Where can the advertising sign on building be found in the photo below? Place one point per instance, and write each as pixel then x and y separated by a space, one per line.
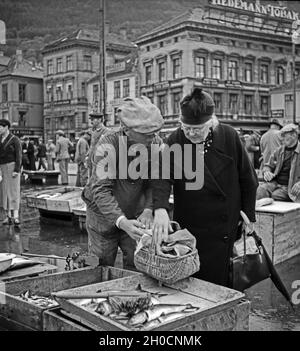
pixel 277 113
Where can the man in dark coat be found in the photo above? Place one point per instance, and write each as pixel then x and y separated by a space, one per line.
pixel 211 213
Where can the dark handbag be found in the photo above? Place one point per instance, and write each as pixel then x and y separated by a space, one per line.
pixel 248 269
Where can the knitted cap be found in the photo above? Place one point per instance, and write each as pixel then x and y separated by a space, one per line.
pixel 289 128
pixel 197 107
pixel 140 115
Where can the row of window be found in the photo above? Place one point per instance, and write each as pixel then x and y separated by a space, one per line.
pixel 21 92
pixel 234 105
pixel 60 123
pixel 201 71
pixel 57 65
pixel 57 93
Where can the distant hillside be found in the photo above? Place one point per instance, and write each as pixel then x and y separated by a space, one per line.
pixel 33 23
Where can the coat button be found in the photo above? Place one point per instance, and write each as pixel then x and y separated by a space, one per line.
pixel 225 239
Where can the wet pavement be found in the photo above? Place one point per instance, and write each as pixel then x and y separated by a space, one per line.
pixel 269 310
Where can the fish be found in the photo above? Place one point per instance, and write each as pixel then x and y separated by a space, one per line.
pixel 104 308
pixel 152 324
pixel 172 316
pixel 164 309
pixel 138 319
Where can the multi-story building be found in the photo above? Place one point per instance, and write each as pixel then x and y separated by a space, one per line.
pixel 122 81
pixel 69 63
pixel 21 96
pixel 282 104
pixel 235 50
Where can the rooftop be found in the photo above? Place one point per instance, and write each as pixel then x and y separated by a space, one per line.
pixel 90 35
pixel 18 66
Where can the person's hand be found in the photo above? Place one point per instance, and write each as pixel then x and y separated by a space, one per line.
pixel 296 189
pixel 161 227
pixel 132 227
pixel 268 176
pixel 14 174
pixel 146 218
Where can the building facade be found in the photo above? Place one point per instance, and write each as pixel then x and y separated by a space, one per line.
pixel 282 104
pixel 21 96
pixel 122 79
pixel 236 50
pixel 69 63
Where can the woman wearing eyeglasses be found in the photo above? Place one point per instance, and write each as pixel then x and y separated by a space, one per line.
pixel 211 213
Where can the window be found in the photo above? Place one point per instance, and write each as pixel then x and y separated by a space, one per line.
pixel 59 65
pixel 176 103
pixel 47 123
pixel 5 114
pixel 148 74
pixel 264 105
pixel 176 68
pixel 264 73
pixel 148 48
pixel 49 93
pixel 71 122
pixel 59 93
pixel 176 40
pixel 162 104
pixel 161 44
pixel 280 75
pixel 22 92
pixel 232 70
pixel 95 92
pixel 69 63
pixel 83 89
pixel 233 103
pixel 218 102
pixel 84 117
pixel 70 91
pixel 126 88
pixel 22 119
pixel 200 67
pixel 248 103
pixel 248 72
pixel 117 89
pixel 87 59
pixel 50 67
pixel 4 93
pixel 161 71
pixel 217 69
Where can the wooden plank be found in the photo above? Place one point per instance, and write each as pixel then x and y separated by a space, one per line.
pixel 279 207
pixel 209 297
pixel 54 320
pixel 233 319
pixel 65 202
pixel 17 274
pixel 264 227
pixel 7 324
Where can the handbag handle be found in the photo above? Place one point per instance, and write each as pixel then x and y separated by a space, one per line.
pixel 247 222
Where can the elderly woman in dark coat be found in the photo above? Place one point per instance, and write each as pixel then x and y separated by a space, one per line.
pixel 10 165
pixel 211 213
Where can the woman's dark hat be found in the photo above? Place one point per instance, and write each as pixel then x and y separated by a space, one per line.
pixel 4 123
pixel 276 122
pixel 197 107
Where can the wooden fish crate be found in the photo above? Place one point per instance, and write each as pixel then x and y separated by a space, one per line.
pixel 279 226
pixel 34 201
pixel 66 202
pixel 20 312
pixel 220 308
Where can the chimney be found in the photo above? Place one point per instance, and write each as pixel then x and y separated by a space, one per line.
pixel 123 33
pixel 19 55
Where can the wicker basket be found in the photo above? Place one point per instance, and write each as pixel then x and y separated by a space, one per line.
pixel 166 270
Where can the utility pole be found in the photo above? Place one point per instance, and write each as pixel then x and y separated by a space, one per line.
pixel 102 63
pixel 295 40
